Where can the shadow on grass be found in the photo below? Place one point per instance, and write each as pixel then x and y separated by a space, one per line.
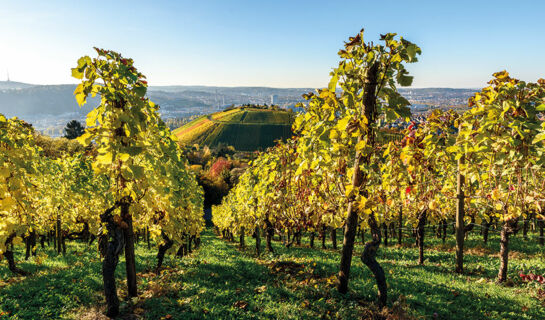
pixel 434 289
pixel 221 282
pixel 59 284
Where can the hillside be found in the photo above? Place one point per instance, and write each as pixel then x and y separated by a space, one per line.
pixel 14 85
pixel 246 129
pixel 50 107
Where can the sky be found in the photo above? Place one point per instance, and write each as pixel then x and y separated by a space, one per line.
pixel 269 43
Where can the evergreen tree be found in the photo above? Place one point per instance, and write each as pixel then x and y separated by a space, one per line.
pixel 73 129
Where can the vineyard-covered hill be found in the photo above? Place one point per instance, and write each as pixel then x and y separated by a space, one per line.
pixel 246 129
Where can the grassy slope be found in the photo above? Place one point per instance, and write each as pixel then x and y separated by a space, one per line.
pixel 221 282
pixel 59 284
pixel 226 115
pixel 189 125
pixel 247 137
pixel 267 116
pixel 195 131
pixel 245 129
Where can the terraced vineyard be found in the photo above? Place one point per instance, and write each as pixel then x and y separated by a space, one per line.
pixel 246 129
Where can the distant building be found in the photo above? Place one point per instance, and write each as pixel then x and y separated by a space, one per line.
pixel 274 99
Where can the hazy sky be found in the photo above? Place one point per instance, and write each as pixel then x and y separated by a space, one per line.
pixel 269 43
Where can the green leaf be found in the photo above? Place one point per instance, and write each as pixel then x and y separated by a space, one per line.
pixel 403 79
pixel 138 171
pixel 133 151
pixel 412 50
pixel 140 91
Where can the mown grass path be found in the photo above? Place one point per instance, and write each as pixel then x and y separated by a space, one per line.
pixel 220 281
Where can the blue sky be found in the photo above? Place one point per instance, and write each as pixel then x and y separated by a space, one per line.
pixel 269 43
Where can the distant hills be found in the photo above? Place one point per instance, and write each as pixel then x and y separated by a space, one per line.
pixel 34 101
pixel 10 85
pixel 245 128
pixel 22 100
pixel 50 107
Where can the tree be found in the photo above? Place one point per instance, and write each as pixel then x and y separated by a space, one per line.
pixel 73 130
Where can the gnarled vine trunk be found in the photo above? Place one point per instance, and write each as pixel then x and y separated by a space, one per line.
pixel 509 227
pixel 241 238
pixel 163 248
pixel 298 235
pixel 486 228
pixel 42 241
pixel 30 245
pixel 58 231
pixel 12 266
pixel 368 257
pixel 181 251
pixel 369 110
pixel 322 235
pixel 420 236
pixel 111 245
pixel 270 234
pixel 197 241
pixel 257 241
pixel 130 261
pixel 11 258
pixel 333 238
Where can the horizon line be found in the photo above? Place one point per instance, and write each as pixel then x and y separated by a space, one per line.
pixel 235 86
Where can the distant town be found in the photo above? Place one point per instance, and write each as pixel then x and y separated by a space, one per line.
pixel 50 107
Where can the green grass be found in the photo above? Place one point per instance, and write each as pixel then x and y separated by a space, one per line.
pixel 268 117
pixel 58 284
pixel 245 129
pixel 235 116
pixel 247 137
pixel 219 281
pixel 190 124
